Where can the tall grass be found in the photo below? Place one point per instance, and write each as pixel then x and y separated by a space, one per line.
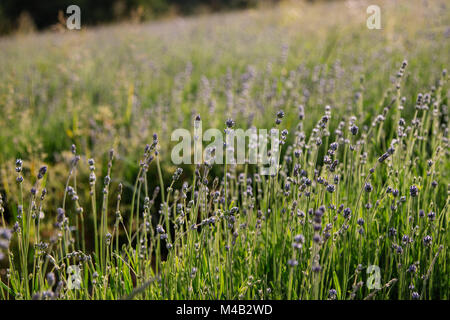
pixel 361 181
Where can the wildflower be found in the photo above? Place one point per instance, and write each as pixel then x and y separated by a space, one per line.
pixel 46 295
pixel 405 239
pixel 316 268
pixel 404 64
pixel 318 141
pixel 332 294
pixel 16 227
pixel 392 232
pixel 299 238
pixel 354 130
pixel 280 114
pixel 431 215
pixel 5 234
pixel 42 172
pixel 292 262
pixel 347 213
pixel 360 222
pixel 19 164
pixel 51 279
pixel 43 193
pixel 160 229
pixel 412 268
pixel 234 210
pixel 368 187
pixel 230 123
pixel 108 238
pixel 334 146
pixel 177 174
pixel 60 214
pixel 413 190
pixel 427 240
pixel 415 295
pixel 331 188
pixel 383 157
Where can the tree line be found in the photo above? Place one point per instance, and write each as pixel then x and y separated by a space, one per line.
pixel 24 15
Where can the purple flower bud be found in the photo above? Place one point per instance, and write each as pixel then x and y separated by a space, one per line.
pixel 229 123
pixel 413 190
pixel 368 187
pixel 42 172
pixel 280 114
pixel 427 240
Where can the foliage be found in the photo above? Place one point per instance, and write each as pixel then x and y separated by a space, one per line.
pixel 362 177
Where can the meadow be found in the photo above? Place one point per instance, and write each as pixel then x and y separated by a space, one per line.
pixel 93 207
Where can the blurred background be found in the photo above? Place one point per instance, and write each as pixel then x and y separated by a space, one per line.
pixel 30 15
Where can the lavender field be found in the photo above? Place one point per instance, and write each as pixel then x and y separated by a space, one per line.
pixel 94 206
